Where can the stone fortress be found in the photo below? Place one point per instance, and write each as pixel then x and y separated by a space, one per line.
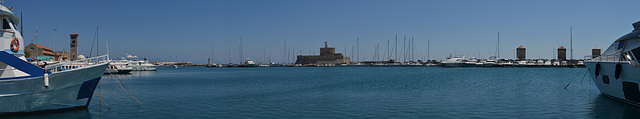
pixel 327 56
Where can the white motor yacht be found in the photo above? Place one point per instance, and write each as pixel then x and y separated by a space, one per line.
pixel 453 62
pixel 616 72
pixel 118 67
pixel 141 65
pixel 491 62
pixel 248 63
pixel 471 62
pixel 138 65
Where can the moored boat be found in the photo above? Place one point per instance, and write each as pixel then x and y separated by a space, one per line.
pixel 117 67
pixel 453 62
pixel 27 88
pixel 617 72
pixel 248 63
pixel 139 65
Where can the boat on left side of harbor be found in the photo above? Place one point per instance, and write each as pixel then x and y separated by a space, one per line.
pixel 27 88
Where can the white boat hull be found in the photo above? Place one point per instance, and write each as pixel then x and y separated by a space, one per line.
pixel 624 88
pixel 143 68
pixel 451 64
pixel 69 89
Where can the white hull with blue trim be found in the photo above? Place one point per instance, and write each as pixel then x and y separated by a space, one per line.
pixel 69 89
pixel 26 88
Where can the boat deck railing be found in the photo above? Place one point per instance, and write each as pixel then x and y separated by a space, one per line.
pixel 609 58
pixel 76 64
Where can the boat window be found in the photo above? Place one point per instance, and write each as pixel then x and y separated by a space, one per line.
pixel 5 24
pixel 626 56
pixel 636 53
pixel 621 45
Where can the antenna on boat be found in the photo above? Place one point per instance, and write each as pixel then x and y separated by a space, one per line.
pixel 54 39
pixel 21 33
pixel 36 35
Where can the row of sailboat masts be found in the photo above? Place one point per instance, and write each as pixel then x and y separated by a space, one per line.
pixel 407 54
pixel 242 58
pixel 231 51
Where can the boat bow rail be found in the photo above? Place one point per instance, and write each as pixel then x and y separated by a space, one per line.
pixel 62 66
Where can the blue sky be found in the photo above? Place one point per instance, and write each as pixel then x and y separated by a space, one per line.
pixel 187 30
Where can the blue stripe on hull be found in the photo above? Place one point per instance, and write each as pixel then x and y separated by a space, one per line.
pixel 87 88
pixel 21 65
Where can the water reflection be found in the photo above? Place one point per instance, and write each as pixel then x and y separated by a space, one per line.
pixel 606 107
pixel 77 114
pixel 132 74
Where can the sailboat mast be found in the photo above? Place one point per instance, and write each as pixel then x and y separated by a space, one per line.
pixel 396 48
pixel 412 51
pixel 358 48
pixel 284 55
pixel 375 48
pixel 212 54
pixel 571 40
pixel 230 52
pixel 97 41
pixel 387 52
pixel 404 49
pixel 498 47
pixel 54 40
pixel 241 56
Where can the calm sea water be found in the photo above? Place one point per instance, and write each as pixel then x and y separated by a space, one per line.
pixel 353 92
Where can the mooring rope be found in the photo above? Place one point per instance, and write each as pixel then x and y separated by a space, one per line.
pixel 125 89
pixel 102 102
pixel 585 74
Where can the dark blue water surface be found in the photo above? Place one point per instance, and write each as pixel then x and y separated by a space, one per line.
pixel 353 92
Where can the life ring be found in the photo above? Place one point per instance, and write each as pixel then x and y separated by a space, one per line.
pixel 15 45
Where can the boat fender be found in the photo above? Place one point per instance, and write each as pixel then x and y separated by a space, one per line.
pixel 597 69
pixel 618 70
pixel 15 45
pixel 46 80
